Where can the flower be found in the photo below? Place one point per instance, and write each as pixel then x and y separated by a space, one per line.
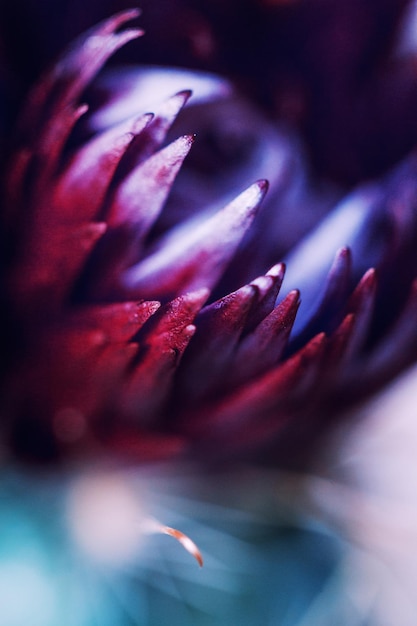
pixel 102 361
pixel 149 314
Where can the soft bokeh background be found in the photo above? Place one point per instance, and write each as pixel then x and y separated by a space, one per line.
pixel 314 63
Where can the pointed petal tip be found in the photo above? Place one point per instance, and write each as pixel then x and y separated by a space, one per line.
pixel 185 94
pixel 122 17
pixel 136 32
pixel 150 306
pixel 185 141
pixel 199 296
pixel 82 109
pixel 259 188
pixel 251 197
pixel 129 14
pixel 263 184
pixel 290 303
pixel 344 252
pixel 317 341
pixel 129 35
pixel 177 101
pixel 367 284
pixel 370 275
pixel 190 138
pixel 277 271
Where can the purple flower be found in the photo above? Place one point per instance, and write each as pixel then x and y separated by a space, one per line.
pixel 165 331
pixel 205 279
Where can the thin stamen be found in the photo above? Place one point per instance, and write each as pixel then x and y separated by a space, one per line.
pixel 153 526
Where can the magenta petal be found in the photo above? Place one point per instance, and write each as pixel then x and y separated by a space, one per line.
pixel 127 90
pixel 207 362
pixel 135 206
pixel 338 352
pixel 263 347
pixel 82 186
pixel 361 304
pixel 67 79
pixel 119 321
pixel 46 156
pixel 267 290
pixel 140 197
pixel 198 258
pixel 271 392
pixel 52 108
pixel 151 137
pixel 174 315
pixel 52 264
pixel 161 348
pixel 328 310
pixel 33 166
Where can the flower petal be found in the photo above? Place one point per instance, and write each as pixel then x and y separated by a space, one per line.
pixel 82 186
pixel 162 344
pixel 264 346
pixel 198 259
pixel 208 359
pixel 266 395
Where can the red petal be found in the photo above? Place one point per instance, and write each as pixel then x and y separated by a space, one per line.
pixel 119 321
pixel 162 345
pixel 51 109
pixel 362 304
pixel 286 383
pixel 52 263
pixel 267 287
pixel 81 189
pixel 329 311
pixel 151 138
pixel 135 206
pixel 141 195
pixel 263 348
pixel 219 327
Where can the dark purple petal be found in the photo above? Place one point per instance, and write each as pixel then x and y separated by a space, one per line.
pixel 331 299
pixel 361 305
pixel 209 359
pixel 267 290
pixel 269 394
pixel 264 346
